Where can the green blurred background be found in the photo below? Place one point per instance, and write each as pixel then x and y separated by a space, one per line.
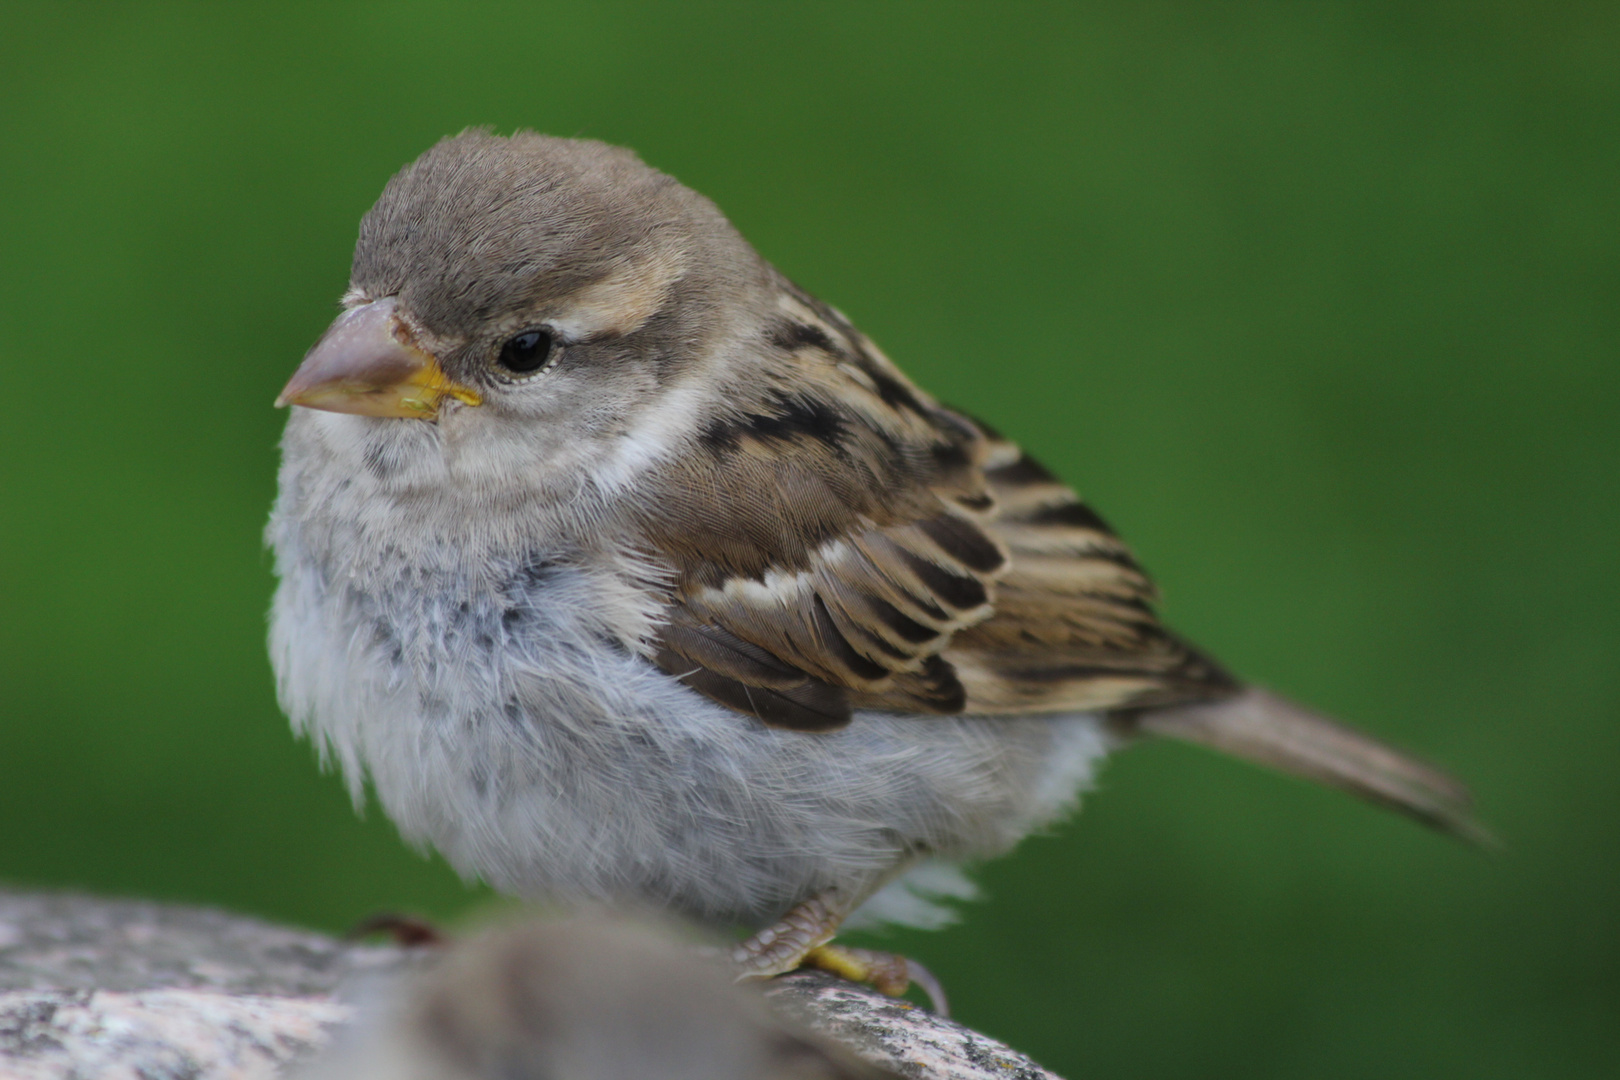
pixel 1319 302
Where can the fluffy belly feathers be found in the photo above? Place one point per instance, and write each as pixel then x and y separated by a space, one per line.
pixel 503 728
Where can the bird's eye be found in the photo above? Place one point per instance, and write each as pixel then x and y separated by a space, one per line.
pixel 526 353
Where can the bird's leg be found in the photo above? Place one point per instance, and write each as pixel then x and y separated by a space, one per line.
pixel 801 939
pixel 782 946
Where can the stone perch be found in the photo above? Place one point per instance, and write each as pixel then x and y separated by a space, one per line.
pixel 131 990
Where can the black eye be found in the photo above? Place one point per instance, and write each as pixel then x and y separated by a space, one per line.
pixel 526 353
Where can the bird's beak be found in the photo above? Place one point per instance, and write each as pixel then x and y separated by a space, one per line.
pixel 367 363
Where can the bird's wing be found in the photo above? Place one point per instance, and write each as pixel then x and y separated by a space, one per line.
pixel 843 541
pixel 1073 626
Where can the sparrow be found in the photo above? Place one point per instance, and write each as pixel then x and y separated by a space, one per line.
pixel 585 998
pixel 628 571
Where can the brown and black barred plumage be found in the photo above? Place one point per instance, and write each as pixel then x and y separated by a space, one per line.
pixel 874 549
pixel 860 545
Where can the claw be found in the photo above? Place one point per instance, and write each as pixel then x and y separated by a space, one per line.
pixel 888 973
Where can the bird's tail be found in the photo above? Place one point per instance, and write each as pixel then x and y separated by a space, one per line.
pixel 1260 726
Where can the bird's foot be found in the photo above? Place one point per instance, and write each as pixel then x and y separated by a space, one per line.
pixel 800 939
pixel 886 972
pixel 407 930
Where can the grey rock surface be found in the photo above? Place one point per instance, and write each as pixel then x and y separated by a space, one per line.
pixel 134 990
pixel 896 1035
pixel 64 941
pixel 159 1034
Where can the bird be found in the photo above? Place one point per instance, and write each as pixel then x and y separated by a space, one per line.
pixel 596 996
pixel 625 570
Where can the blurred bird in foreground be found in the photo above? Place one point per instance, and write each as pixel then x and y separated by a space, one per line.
pixel 628 571
pixel 588 998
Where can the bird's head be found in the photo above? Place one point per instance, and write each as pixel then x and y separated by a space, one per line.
pixel 526 292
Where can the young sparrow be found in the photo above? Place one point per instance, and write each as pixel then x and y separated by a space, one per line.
pixel 586 998
pixel 629 571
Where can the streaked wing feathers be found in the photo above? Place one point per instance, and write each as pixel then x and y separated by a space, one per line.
pixel 1073 628
pixel 842 541
pixel 720 665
